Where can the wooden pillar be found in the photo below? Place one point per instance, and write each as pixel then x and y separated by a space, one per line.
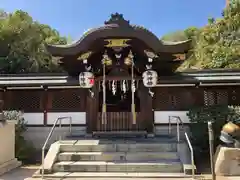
pixel 198 96
pixel 1 94
pixel 8 98
pixel 92 106
pixel 88 112
pixel 1 101
pixel 233 96
pixel 146 105
pixel 83 100
pixel 45 106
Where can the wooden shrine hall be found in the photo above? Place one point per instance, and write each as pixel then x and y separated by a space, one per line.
pixel 118 54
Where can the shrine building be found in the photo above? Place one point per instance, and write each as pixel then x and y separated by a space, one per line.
pixel 104 91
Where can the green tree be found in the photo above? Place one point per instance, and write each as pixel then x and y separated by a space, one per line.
pixel 217 45
pixel 183 35
pixel 191 32
pixel 22 42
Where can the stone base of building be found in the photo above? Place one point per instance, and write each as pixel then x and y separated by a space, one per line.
pixel 227 161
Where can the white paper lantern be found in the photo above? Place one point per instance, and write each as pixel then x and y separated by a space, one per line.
pixel 86 80
pixel 150 78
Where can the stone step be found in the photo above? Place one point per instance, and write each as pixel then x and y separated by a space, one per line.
pixel 116 156
pixel 118 166
pixel 121 147
pixel 111 175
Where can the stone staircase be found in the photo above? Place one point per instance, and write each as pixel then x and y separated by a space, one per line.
pixel 141 157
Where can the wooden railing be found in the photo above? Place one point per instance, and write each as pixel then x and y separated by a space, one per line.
pixel 118 121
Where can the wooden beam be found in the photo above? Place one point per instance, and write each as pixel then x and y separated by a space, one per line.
pixel 118 78
pixel 146 106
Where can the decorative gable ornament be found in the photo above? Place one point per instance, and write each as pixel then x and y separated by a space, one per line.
pixel 117 19
pixel 150 54
pixel 86 80
pixel 85 56
pixel 179 57
pixel 150 78
pixel 120 43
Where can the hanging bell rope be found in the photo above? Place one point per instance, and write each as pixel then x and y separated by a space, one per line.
pixel 104 107
pixel 133 89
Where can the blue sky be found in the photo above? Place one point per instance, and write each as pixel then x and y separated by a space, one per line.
pixel 73 17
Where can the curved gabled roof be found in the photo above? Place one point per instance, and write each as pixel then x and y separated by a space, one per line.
pixel 117 27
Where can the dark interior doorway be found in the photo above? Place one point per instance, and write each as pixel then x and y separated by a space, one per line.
pixel 120 101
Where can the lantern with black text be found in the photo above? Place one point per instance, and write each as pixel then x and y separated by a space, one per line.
pixel 150 78
pixel 86 80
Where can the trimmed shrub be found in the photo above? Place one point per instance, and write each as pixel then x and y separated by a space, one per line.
pixel 199 116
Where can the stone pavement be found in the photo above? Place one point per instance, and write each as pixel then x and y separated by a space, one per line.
pixel 25 173
pixel 20 173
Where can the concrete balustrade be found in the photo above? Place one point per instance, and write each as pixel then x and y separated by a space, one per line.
pixel 7 148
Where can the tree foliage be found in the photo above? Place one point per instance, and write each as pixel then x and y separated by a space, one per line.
pixel 217 45
pixel 219 115
pixel 184 35
pixel 22 42
pixel 175 36
pixel 22 50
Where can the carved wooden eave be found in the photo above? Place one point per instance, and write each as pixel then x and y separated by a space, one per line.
pixel 176 47
pixel 179 57
pixel 118 27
